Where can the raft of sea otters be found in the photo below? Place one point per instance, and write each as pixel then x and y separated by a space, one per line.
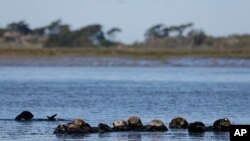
pixel 134 123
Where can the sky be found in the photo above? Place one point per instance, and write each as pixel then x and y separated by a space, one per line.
pixel 134 17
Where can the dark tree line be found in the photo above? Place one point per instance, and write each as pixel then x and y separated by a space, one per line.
pixel 22 27
pixel 92 35
pixel 60 35
pixel 160 31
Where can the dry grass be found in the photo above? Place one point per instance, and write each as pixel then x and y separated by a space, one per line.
pixel 132 52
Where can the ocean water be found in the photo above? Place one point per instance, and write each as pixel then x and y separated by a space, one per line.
pixel 102 95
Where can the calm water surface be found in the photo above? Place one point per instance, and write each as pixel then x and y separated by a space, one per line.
pixel 105 94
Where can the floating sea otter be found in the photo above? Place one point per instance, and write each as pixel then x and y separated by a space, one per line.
pixel 104 128
pixel 222 125
pixel 24 116
pixel 134 123
pixel 77 126
pixel 27 115
pixel 178 123
pixel 196 127
pixel 120 125
pixel 156 125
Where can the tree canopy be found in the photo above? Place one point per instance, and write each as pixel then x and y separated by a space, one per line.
pixel 160 31
pixel 21 27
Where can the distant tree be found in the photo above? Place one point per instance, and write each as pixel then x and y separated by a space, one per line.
pixel 12 26
pixel 161 31
pixel 179 29
pixel 61 38
pixel 112 33
pixel 61 35
pixel 197 36
pixel 173 29
pixel 91 35
pixel 156 31
pixel 39 31
pixel 54 27
pixel 166 31
pixel 182 28
pixel 95 34
pixel 21 27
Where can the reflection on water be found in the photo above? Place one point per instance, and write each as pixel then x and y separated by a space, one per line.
pixel 155 136
pixel 101 95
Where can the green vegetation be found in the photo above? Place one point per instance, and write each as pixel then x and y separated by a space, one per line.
pixel 136 53
pixel 57 39
pixel 58 34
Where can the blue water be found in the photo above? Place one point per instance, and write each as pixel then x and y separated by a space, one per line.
pixel 106 94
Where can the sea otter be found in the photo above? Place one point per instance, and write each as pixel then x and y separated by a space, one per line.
pixel 24 116
pixel 178 123
pixel 120 125
pixel 134 123
pixel 156 125
pixel 222 125
pixel 196 127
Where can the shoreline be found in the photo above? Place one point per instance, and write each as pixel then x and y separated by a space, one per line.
pixel 151 53
pixel 125 57
pixel 73 61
